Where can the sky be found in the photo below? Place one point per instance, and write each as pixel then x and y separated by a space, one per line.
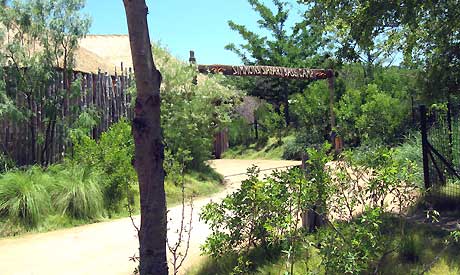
pixel 182 25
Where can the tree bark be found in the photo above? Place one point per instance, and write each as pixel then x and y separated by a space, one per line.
pixel 149 148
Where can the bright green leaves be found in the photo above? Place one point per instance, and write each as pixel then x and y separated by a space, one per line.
pixel 112 157
pixel 350 248
pixel 191 114
pixel 267 213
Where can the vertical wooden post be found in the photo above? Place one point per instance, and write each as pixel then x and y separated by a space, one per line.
pixel 331 101
pixel 192 61
pixel 192 58
pixel 449 128
pixel 335 139
pixel 256 127
pixel 304 161
pixel 424 133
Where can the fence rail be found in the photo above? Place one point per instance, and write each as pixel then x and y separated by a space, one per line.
pixel 440 130
pixel 42 139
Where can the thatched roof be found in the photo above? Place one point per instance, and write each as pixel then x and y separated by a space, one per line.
pixel 104 52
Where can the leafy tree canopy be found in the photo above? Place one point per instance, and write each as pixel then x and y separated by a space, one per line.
pixel 278 44
pixel 426 32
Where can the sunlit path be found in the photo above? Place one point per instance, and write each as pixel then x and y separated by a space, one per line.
pixel 105 248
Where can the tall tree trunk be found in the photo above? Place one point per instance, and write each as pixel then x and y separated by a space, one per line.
pixel 149 148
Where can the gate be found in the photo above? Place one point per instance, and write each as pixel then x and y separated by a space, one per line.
pixel 440 129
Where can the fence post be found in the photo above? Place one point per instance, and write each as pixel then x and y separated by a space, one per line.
pixel 449 128
pixel 424 132
pixel 256 127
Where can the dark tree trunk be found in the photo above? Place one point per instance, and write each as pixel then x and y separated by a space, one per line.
pixel 148 140
pixel 287 116
pixel 32 141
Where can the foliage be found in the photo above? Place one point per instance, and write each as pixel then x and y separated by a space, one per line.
pixel 83 125
pixel 293 149
pixel 270 150
pixel 283 45
pixel 251 216
pixel 382 116
pixel 24 197
pixel 352 196
pixel 425 32
pixel 375 178
pixel 240 132
pixel 77 192
pixel 6 163
pixel 191 114
pixel 40 35
pixel 112 156
pixel 378 112
pixel 410 248
pixel 271 121
pixel 310 110
pixel 266 213
pixel 410 151
pixel 350 248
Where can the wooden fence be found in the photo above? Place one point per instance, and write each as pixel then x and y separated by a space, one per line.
pixel 43 139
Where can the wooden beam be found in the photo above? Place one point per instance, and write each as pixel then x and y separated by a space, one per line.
pixel 267 71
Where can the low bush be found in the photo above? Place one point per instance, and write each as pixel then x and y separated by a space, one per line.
pixel 265 214
pixel 112 157
pixel 293 149
pixel 240 132
pixel 351 196
pixel 77 192
pixel 271 123
pixel 24 197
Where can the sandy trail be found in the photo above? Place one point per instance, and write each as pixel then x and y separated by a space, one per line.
pixel 105 248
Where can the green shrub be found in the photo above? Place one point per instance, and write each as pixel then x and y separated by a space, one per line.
pixel 271 122
pixel 23 196
pixel 351 248
pixel 77 192
pixel 240 132
pixel 373 114
pixel 266 213
pixel 116 154
pixel 310 110
pixel 411 150
pixel 112 157
pixel 293 149
pixel 410 248
pixel 6 163
pixel 191 114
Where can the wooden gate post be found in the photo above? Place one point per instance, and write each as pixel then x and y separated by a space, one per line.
pixel 425 147
pixel 311 219
pixel 335 139
pixel 192 61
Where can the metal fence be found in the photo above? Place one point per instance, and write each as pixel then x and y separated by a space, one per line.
pixel 440 129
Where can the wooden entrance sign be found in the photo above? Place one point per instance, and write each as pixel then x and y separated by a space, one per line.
pixel 279 72
pixel 267 71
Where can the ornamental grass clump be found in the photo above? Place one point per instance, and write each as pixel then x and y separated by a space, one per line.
pixel 23 196
pixel 77 193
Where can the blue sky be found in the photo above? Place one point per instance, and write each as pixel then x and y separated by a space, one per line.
pixel 182 25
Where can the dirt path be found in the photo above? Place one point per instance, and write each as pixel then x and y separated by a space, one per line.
pixel 105 248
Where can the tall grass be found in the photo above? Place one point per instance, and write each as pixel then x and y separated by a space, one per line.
pixel 77 193
pixel 23 196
